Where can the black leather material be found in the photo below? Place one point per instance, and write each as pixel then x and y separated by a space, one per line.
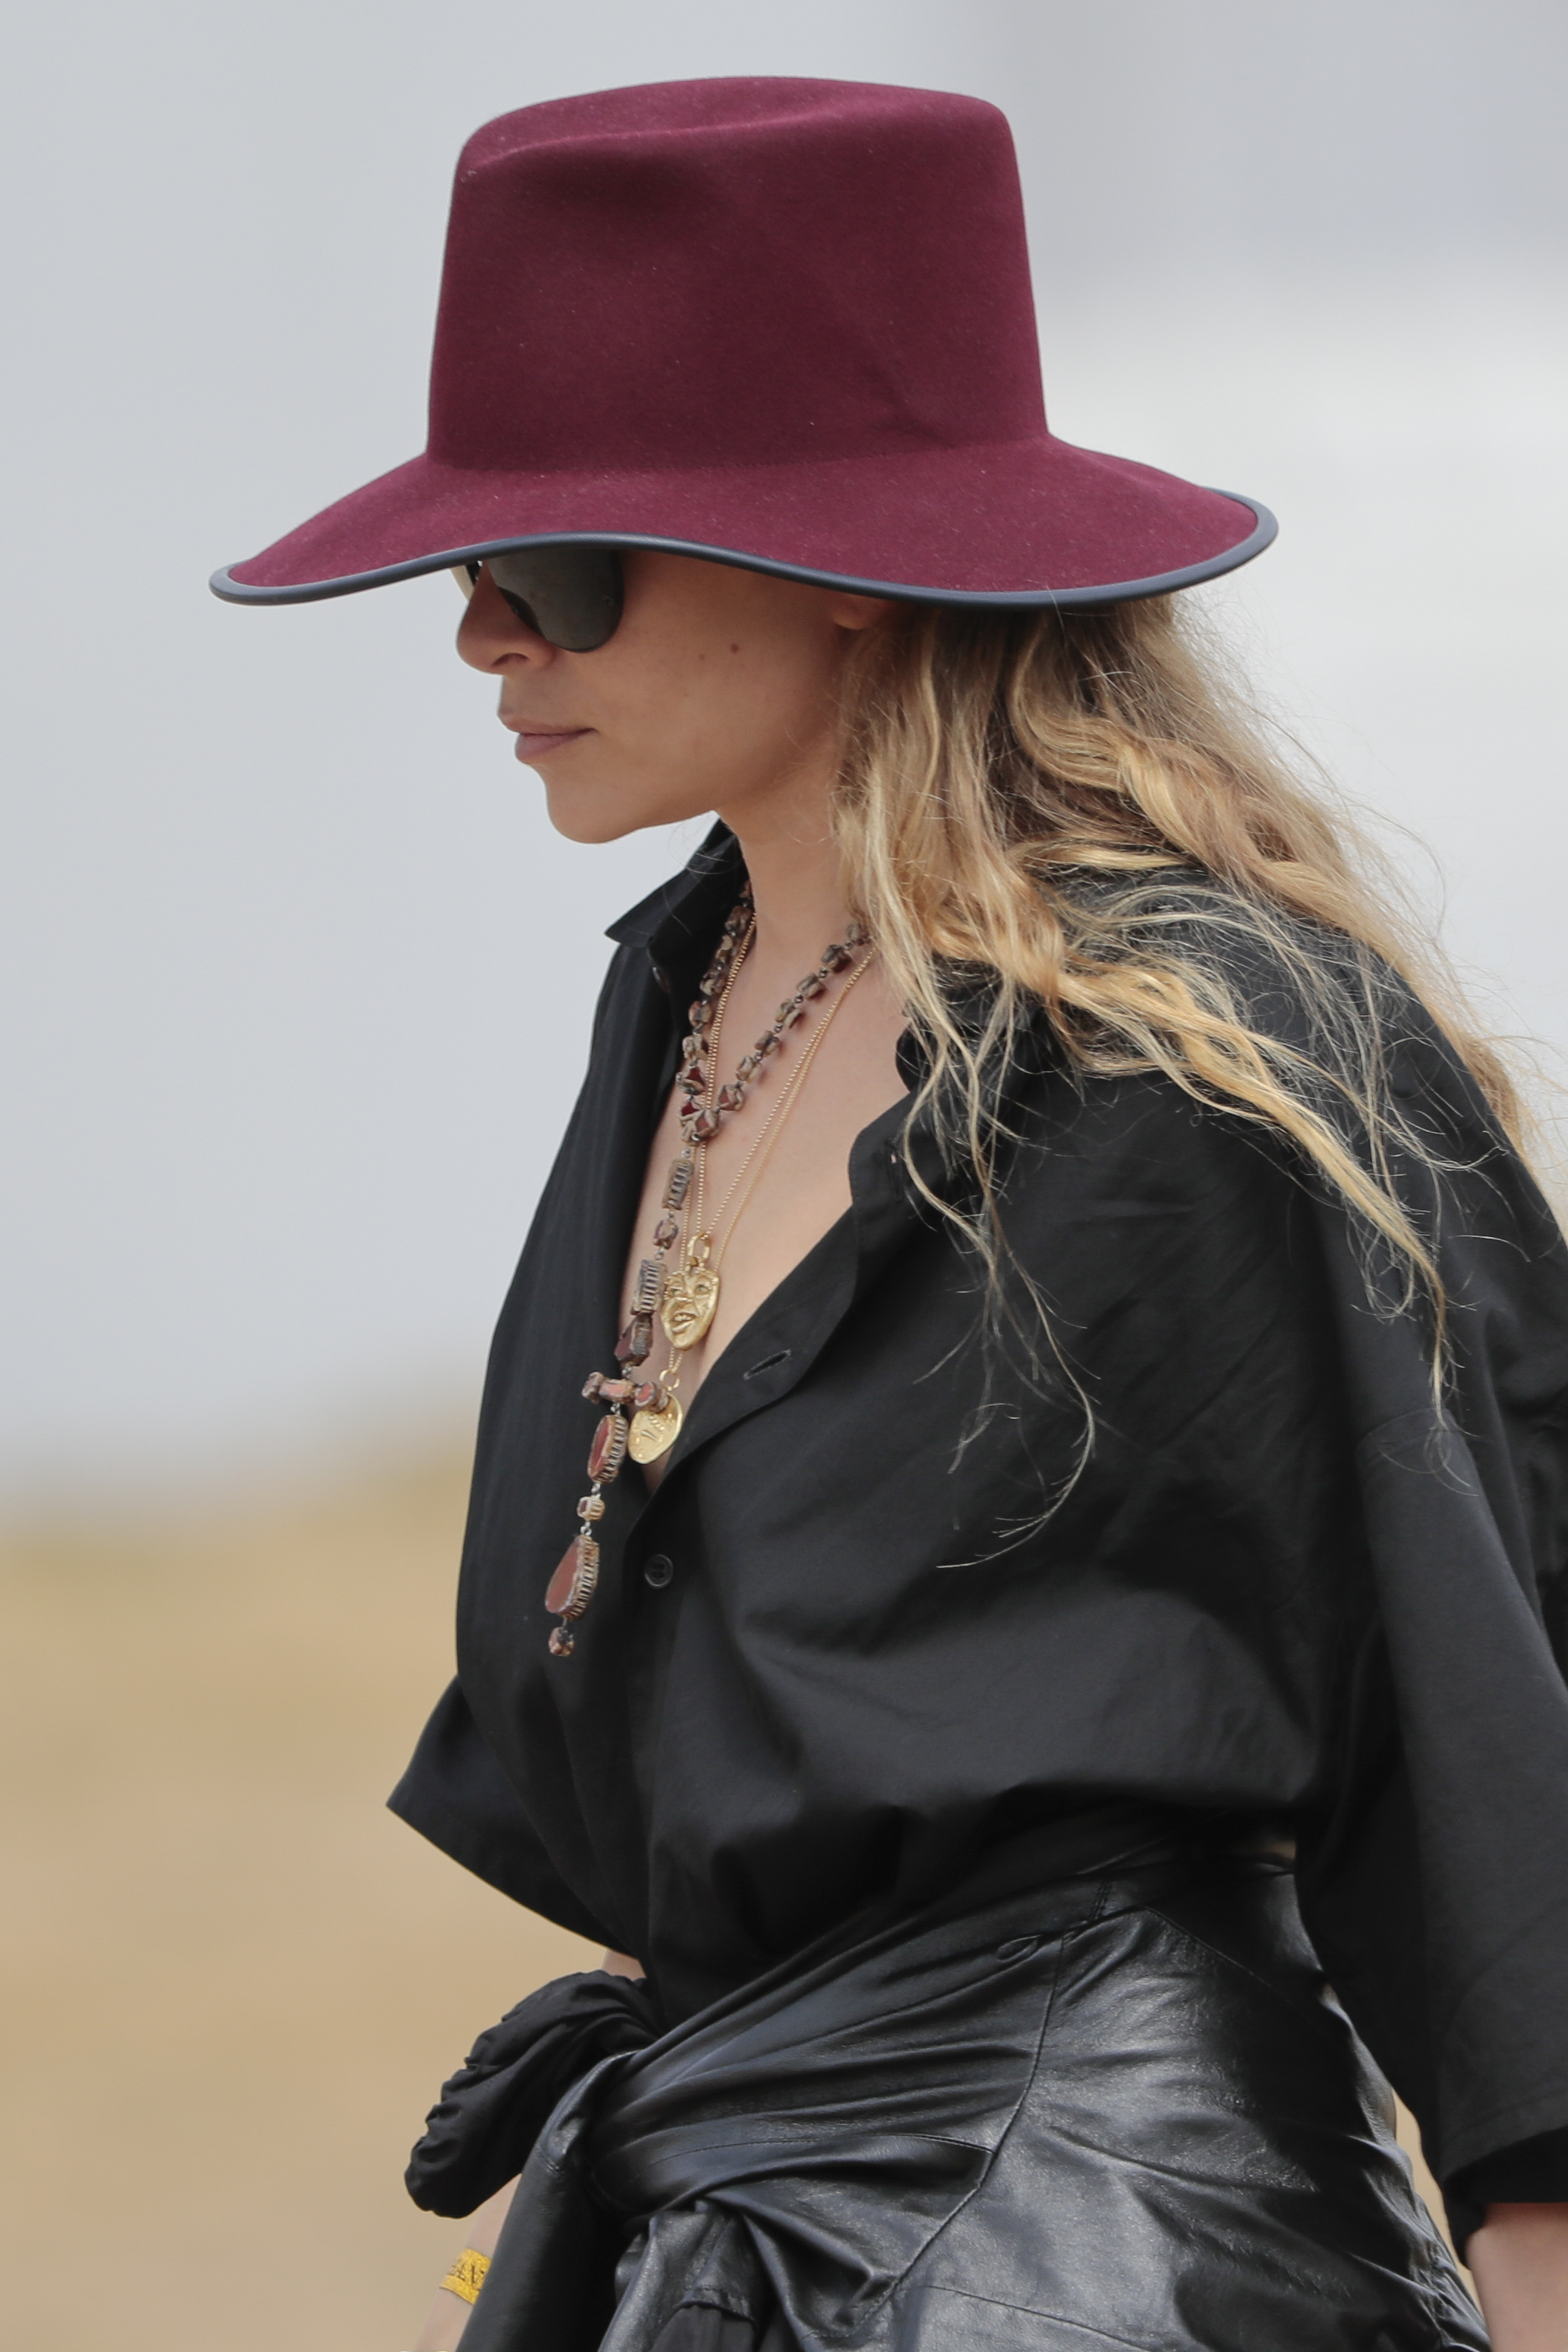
pixel 1116 2112
pixel 478 2134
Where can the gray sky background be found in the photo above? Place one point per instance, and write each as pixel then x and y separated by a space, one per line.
pixel 297 978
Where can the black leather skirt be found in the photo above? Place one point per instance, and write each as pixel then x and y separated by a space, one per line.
pixel 1113 2112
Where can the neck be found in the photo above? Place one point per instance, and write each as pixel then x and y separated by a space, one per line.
pixel 797 882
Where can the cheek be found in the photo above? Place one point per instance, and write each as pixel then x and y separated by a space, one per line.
pixel 685 716
pixel 754 707
pixel 669 721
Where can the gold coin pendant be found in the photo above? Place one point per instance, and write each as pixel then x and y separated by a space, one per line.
pixel 655 1429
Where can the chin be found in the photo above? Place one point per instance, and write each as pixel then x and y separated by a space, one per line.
pixel 610 815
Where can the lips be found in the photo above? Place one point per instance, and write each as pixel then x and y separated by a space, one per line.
pixel 538 742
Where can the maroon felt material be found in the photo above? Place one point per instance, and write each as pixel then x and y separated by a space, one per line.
pixel 785 321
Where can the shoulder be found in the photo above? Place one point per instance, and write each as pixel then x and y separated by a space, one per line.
pixel 1361 1044
pixel 1287 976
pixel 1309 1018
pixel 1343 1026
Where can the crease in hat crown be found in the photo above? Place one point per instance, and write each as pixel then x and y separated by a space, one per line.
pixel 776 322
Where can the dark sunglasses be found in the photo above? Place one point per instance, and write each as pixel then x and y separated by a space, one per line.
pixel 570 596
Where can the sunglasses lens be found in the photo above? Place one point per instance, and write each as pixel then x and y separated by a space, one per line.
pixel 570 595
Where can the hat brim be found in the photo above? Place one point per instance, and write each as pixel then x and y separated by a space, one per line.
pixel 1031 522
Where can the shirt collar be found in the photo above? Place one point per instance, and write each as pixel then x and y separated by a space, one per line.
pixel 683 915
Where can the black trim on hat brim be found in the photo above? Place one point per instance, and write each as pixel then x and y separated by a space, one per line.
pixel 1119 592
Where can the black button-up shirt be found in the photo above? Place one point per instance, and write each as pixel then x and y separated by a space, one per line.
pixel 878 1618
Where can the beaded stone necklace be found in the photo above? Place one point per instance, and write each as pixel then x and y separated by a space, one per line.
pixel 643 1417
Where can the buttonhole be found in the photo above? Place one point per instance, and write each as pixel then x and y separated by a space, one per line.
pixel 1018 1947
pixel 768 1363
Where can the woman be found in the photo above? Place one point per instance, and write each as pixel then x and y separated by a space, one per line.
pixel 1087 1418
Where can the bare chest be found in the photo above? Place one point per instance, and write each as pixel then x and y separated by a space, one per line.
pixel 775 1178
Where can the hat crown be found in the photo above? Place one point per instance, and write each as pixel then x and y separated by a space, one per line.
pixel 780 323
pixel 734 272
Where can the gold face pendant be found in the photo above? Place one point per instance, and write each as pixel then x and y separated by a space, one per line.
pixel 655 1429
pixel 689 1303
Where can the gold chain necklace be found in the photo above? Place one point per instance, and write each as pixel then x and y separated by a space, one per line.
pixel 688 1293
pixel 692 1289
pixel 644 1416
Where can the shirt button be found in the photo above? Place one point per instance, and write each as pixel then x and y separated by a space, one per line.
pixel 659 1569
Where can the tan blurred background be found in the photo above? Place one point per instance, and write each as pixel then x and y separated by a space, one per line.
pixel 232 1983
pixel 297 980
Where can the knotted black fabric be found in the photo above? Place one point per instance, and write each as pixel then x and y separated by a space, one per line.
pixel 1107 2111
pixel 478 2134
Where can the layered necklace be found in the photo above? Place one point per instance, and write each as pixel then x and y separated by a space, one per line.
pixel 643 1417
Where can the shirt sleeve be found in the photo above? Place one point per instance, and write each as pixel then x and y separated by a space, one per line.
pixel 456 1794
pixel 1533 2173
pixel 1437 1893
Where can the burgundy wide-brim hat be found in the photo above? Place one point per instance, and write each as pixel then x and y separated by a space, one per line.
pixel 785 324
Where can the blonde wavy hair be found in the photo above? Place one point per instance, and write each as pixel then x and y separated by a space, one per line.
pixel 1077 809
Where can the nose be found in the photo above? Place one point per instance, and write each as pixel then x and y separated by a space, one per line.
pixel 492 638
